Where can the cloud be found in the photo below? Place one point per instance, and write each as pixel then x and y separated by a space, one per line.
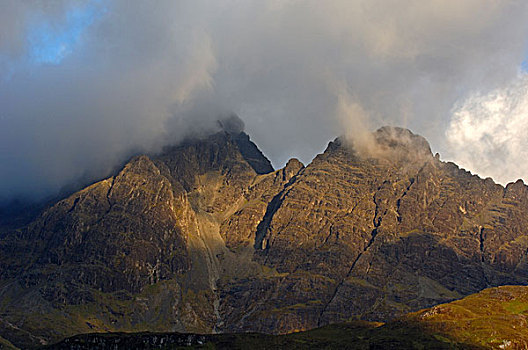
pixel 135 75
pixel 355 121
pixel 487 132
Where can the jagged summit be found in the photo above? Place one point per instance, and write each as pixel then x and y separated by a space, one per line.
pixel 252 154
pixel 206 237
pixel 218 148
pixel 403 139
pixel 234 126
pixel 388 143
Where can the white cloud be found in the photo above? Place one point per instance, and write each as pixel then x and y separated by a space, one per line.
pixel 487 132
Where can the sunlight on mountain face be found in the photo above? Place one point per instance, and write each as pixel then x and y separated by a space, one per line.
pixel 487 132
pixel 50 43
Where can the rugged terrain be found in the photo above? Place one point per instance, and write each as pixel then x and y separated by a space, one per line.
pixel 206 237
pixel 495 318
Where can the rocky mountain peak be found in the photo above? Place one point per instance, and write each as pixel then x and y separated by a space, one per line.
pixel 391 138
pixel 294 165
pixel 232 124
pixel 252 154
pixel 206 237
pixel 388 144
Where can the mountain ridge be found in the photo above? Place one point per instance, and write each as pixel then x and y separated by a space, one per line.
pixel 205 237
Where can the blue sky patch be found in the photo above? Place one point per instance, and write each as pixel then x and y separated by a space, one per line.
pixel 50 43
pixel 524 66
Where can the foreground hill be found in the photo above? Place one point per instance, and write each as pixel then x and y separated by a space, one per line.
pixel 206 237
pixel 495 318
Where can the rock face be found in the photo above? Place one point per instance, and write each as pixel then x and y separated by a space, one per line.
pixel 207 237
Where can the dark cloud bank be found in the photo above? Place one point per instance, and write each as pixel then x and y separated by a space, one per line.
pixel 133 76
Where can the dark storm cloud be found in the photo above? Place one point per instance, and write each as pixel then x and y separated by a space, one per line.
pixel 132 76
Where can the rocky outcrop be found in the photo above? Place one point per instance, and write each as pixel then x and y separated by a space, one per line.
pixel 206 237
pixel 126 232
pixel 375 236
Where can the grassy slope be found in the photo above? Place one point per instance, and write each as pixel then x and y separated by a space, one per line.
pixel 494 318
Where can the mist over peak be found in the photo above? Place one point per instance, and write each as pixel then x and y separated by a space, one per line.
pixel 400 138
pixel 390 144
pixel 114 78
pixel 232 124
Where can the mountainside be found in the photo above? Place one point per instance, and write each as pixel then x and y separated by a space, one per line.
pixel 205 237
pixel 494 318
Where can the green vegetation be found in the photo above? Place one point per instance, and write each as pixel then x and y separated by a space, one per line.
pixel 495 318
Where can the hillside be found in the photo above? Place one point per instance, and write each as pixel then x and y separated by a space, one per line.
pixel 495 318
pixel 206 237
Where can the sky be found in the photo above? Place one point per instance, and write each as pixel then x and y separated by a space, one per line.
pixel 84 84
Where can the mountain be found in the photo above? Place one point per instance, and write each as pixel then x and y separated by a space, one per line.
pixel 494 318
pixel 206 237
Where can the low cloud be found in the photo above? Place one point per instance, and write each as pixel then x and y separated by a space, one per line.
pixel 136 75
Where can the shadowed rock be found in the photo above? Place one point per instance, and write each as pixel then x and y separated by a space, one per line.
pixel 207 237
